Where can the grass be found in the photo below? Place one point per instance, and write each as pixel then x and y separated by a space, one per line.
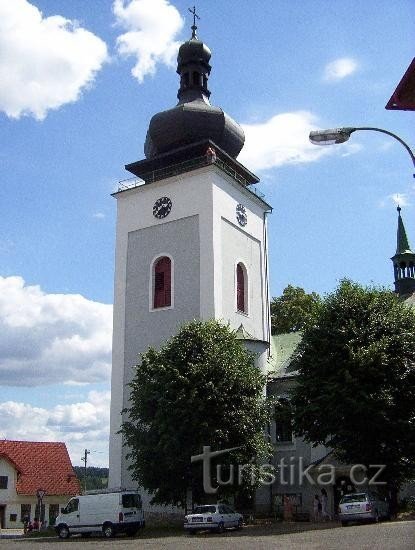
pixel 45 533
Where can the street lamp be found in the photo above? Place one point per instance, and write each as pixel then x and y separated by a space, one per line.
pixel 340 135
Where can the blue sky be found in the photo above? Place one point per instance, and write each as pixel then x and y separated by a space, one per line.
pixel 79 82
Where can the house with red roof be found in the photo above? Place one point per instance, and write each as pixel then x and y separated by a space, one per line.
pixel 29 469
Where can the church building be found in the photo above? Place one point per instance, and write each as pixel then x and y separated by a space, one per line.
pixel 191 243
pixel 191 238
pixel 281 380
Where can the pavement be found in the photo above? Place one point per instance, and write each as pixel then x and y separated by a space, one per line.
pixel 398 535
pixel 11 533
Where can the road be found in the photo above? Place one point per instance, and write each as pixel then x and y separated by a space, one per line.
pixel 383 536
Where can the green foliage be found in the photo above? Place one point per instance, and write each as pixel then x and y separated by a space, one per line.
pixel 356 382
pixel 294 310
pixel 96 478
pixel 200 389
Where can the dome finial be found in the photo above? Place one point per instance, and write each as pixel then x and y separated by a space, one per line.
pixel 195 16
pixel 399 209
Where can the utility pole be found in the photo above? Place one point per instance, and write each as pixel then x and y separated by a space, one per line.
pixel 85 459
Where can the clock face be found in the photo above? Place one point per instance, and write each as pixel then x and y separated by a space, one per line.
pixel 241 215
pixel 162 207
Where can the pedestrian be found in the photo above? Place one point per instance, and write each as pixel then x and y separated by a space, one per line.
pixel 36 524
pixel 211 155
pixel 316 508
pixel 324 505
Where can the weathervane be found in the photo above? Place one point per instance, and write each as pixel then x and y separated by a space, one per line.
pixel 195 16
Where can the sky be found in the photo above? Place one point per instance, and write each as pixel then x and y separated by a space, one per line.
pixel 79 83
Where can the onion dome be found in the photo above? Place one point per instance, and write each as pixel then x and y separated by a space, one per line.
pixel 193 119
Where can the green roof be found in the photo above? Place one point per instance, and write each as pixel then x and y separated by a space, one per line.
pixel 402 243
pixel 242 334
pixel 410 300
pixel 283 347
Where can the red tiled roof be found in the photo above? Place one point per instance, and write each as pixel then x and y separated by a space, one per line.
pixel 41 465
pixel 403 98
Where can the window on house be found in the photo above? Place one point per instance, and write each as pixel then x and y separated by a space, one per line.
pixel 241 288
pixel 40 513
pixel 162 283
pixel 13 517
pixel 53 513
pixel 4 480
pixel 283 422
pixel 25 511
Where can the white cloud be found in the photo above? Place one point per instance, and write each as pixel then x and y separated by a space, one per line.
pixel 339 69
pixel 52 338
pixel 386 145
pixel 152 27
pixel 283 139
pixel 399 199
pixel 80 425
pixel 45 62
pixel 98 215
pixel 351 149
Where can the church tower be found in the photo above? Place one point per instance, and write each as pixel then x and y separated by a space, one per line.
pixel 191 238
pixel 403 262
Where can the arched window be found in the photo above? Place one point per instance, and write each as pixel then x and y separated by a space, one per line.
pixel 241 288
pixel 283 417
pixel 162 283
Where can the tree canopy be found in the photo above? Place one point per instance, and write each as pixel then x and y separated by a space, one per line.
pixel 200 389
pixel 294 310
pixel 356 383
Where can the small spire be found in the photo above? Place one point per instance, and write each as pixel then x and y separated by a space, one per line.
pixel 194 27
pixel 403 262
pixel 402 243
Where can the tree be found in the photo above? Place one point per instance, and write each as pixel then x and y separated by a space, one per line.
pixel 294 310
pixel 96 478
pixel 356 382
pixel 200 389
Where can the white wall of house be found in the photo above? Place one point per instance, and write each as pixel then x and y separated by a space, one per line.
pixel 11 502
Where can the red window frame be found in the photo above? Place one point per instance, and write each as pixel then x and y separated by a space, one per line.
pixel 240 288
pixel 162 283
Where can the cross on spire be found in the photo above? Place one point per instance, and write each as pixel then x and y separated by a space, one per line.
pixel 195 16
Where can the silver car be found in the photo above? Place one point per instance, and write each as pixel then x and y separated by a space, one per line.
pixel 212 517
pixel 361 507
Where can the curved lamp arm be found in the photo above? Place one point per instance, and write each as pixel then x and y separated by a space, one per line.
pixel 411 154
pixel 340 135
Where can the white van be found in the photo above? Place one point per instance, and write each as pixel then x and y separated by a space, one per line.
pixel 108 512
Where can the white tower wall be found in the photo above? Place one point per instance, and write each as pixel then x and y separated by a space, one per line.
pixel 205 242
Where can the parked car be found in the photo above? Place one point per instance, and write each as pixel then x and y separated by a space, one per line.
pixel 107 512
pixel 361 507
pixel 215 517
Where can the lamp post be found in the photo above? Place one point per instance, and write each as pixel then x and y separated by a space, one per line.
pixel 340 135
pixel 85 459
pixel 40 493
